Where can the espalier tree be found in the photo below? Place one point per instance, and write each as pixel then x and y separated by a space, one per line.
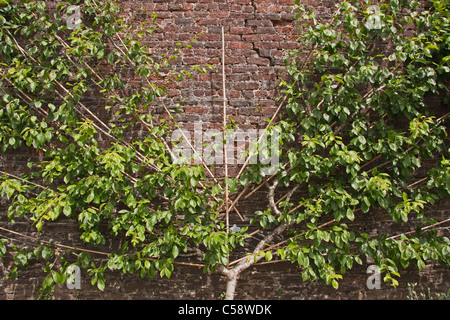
pixel 354 125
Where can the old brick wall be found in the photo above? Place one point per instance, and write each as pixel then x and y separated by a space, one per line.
pixel 278 281
pixel 256 34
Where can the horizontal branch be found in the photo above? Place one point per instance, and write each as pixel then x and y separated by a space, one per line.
pixel 63 246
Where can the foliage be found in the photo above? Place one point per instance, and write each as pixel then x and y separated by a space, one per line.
pixel 89 168
pixel 355 131
pixel 359 107
pixel 412 295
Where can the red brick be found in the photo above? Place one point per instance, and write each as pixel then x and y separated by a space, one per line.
pixel 175 6
pixel 267 44
pixel 244 68
pixel 208 37
pixel 184 36
pixel 234 21
pixel 214 21
pixel 199 93
pixel 241 15
pixel 233 60
pixel 266 30
pixel 240 45
pixel 233 94
pixel 194 60
pixel 195 109
pixel 271 37
pixel 247 94
pixel 235 7
pixel 252 37
pixel 258 61
pixel 267 94
pixel 173 92
pixel 232 37
pixel 188 6
pixel 241 30
pixel 241 1
pixel 219 14
pixel 195 52
pixel 246 85
pixel 289 45
pixel 248 9
pixel 259 23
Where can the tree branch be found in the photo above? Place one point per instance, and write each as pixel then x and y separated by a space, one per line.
pixel 271 197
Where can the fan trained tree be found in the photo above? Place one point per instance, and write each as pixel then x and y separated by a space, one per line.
pixel 354 124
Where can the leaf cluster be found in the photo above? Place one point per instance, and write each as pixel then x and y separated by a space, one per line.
pixel 358 129
pixel 65 95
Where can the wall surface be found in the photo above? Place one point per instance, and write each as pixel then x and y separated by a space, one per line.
pixel 256 34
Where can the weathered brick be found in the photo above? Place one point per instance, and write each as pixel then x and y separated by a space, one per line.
pixel 219 14
pixel 244 15
pixel 209 21
pixel 194 60
pixel 244 68
pixel 248 94
pixel 234 21
pixel 241 30
pixel 266 30
pixel 267 44
pixel 232 37
pixel 252 37
pixel 264 8
pixel 289 45
pixel 259 23
pixel 183 21
pixel 274 36
pixel 246 85
pixel 258 61
pixel 239 45
pixel 209 37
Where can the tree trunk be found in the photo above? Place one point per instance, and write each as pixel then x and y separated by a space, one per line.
pixel 231 286
pixel 233 274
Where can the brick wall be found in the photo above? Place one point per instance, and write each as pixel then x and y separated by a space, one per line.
pixel 256 33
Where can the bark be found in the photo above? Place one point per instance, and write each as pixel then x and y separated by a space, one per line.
pixel 231 287
pixel 233 274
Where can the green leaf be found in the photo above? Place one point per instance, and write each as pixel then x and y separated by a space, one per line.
pixel 52 75
pixel 21 259
pixel 41 138
pixel 58 278
pixel 335 284
pixel 46 253
pixel 90 197
pixel 350 214
pixel 3 247
pixel 63 139
pixel 303 260
pixel 175 251
pixel 101 284
pixel 365 204
pixel 179 204
pixel 232 184
pixel 67 210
